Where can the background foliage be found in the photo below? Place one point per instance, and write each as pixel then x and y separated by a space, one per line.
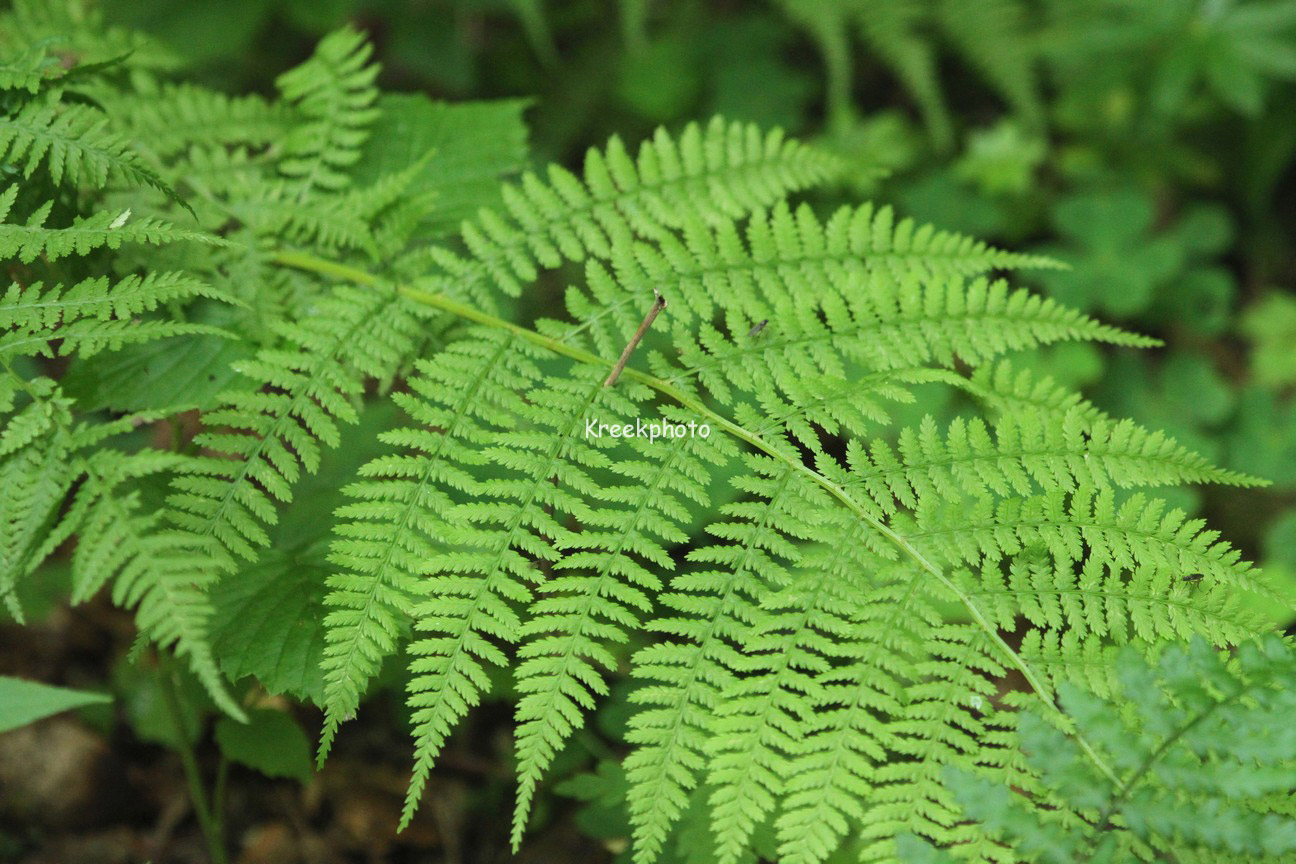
pixel 1148 145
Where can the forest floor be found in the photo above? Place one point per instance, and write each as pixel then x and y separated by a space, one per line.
pixel 88 790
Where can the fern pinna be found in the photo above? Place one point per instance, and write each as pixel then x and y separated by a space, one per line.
pixel 819 613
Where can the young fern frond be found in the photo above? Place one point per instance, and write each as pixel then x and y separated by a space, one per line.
pixel 334 90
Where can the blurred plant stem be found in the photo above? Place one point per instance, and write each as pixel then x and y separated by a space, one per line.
pixel 209 821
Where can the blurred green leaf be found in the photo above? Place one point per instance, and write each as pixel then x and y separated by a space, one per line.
pixel 1263 438
pixel 1001 160
pixel 1270 326
pixel 139 690
pixel 472 145
pixel 1116 262
pixel 270 742
pixel 750 77
pixel 23 702
pixel 660 81
pixel 186 371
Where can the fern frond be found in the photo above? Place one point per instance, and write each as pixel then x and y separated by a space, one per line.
pixel 892 29
pixel 762 716
pixel 170 120
pixel 334 91
pixel 837 642
pixel 832 774
pixel 152 568
pixel 43 456
pixel 35 454
pixel 1089 529
pixel 1006 391
pixel 274 211
pixel 1186 790
pixel 27 71
pixel 826 23
pixel 394 528
pixel 577 616
pixel 78 28
pixel 723 172
pixel 32 240
pixel 75 144
pixel 1027 452
pixel 946 720
pixel 350 221
pixel 880 324
pixel 689 675
pixel 792 253
pixel 1106 603
pixel 276 433
pixel 487 569
pixel 992 36
pixel 94 314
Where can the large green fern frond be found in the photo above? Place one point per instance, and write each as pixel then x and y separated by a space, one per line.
pixel 465 561
pixel 727 169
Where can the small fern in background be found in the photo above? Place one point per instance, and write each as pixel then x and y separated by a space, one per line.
pixel 822 614
pixel 1204 755
pixel 993 37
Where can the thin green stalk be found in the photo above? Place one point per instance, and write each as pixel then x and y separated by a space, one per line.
pixel 303 261
pixel 218 798
pixel 171 701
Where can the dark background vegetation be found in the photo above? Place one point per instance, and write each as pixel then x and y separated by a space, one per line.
pixel 1148 145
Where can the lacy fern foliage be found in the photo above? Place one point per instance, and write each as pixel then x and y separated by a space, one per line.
pixel 1203 756
pixel 817 608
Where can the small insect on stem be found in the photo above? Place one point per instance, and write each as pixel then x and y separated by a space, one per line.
pixel 755 331
pixel 1193 577
pixel 658 305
